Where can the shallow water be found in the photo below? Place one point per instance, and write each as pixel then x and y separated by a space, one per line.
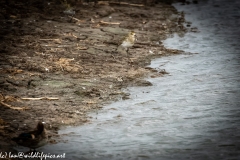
pixel 192 113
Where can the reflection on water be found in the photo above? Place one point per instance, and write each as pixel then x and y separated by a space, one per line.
pixel 193 113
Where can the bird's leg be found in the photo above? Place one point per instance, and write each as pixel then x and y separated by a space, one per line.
pixel 127 50
pixel 128 55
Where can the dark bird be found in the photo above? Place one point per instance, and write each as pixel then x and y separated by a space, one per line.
pixel 33 139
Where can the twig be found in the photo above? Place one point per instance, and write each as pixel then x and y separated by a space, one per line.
pixel 49 39
pixel 12 107
pixel 137 5
pixel 41 98
pixel 61 67
pixel 109 22
pixel 123 3
pixel 82 48
pixel 76 19
pixel 89 102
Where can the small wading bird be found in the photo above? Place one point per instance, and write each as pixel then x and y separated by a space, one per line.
pixel 33 139
pixel 128 41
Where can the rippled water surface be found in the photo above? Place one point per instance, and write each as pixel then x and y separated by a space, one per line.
pixel 192 113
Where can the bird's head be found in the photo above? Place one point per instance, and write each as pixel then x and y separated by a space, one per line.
pixel 132 33
pixel 40 127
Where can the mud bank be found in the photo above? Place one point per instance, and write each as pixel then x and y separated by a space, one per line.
pixel 59 61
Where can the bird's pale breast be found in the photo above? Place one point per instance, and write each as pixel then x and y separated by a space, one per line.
pixel 127 44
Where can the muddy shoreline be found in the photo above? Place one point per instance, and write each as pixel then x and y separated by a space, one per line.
pixel 57 66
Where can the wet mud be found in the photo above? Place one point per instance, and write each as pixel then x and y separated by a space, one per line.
pixel 59 60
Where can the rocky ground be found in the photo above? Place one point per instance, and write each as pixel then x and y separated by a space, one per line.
pixel 59 60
